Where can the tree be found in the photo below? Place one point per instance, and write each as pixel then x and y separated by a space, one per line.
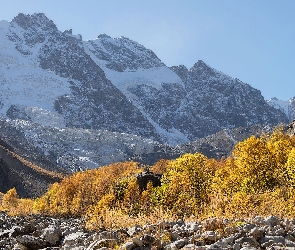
pixel 290 165
pixel 186 183
pixel 132 197
pixel 10 200
pixel 255 166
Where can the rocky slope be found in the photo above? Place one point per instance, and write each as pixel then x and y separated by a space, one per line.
pixel 30 180
pixel 38 232
pixel 72 149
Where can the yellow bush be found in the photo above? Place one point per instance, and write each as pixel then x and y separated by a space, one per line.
pixel 15 206
pixel 255 168
pixel 290 167
pixel 160 166
pixel 258 179
pixel 10 200
pixel 75 194
pixel 187 178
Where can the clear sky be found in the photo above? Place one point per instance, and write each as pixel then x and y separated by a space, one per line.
pixel 253 40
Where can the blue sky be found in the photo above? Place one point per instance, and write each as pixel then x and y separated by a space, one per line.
pixel 253 40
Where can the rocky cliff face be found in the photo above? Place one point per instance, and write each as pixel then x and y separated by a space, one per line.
pixel 224 101
pixel 113 91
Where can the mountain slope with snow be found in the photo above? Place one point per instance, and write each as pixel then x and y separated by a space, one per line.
pixel 64 87
pixel 288 107
pixel 183 105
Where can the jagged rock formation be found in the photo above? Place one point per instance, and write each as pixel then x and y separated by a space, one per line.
pixel 123 54
pixel 86 98
pixel 226 102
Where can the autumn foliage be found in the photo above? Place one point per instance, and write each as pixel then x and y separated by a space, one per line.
pixel 257 179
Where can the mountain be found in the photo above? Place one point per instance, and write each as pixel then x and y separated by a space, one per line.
pixel 48 76
pixel 288 107
pixel 69 104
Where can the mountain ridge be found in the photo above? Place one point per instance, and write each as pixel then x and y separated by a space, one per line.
pixel 53 82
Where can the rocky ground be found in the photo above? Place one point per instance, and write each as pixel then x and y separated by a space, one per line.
pixel 38 232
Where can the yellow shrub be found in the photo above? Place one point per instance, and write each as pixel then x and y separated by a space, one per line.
pixel 186 183
pixel 290 167
pixel 255 166
pixel 10 200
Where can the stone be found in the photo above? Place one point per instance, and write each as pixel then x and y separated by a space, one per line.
pixel 74 238
pixel 251 241
pixel 174 236
pixel 249 248
pixel 134 230
pixel 192 247
pixel 229 240
pixel 105 235
pixel 280 232
pixel 147 240
pixel 52 235
pixel 137 242
pixel 290 237
pixel 31 242
pixel 256 233
pixel 268 241
pixel 19 247
pixel 107 243
pixel 180 222
pixel 194 227
pixel 272 221
pixel 128 246
pixel 220 244
pixel 180 243
pixel 210 236
pixel 248 227
pixel 170 246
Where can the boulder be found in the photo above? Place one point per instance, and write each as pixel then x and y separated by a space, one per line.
pixel 145 177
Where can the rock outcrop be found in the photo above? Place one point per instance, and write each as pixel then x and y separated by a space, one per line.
pixel 291 128
pixel 145 177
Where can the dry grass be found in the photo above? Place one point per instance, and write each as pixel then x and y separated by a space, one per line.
pixel 118 218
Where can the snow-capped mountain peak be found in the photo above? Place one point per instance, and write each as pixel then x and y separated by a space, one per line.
pixel 122 54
